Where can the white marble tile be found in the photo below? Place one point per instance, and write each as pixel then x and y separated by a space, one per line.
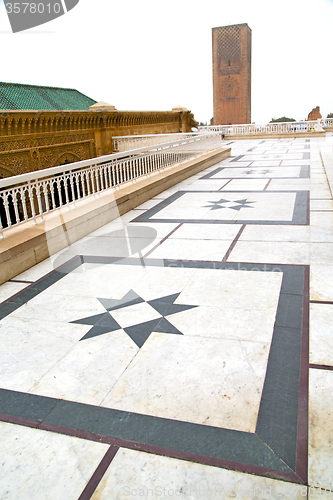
pixel 192 249
pixel 44 465
pixel 221 322
pixel 321 219
pixel 233 289
pixel 113 226
pixel 206 232
pixel 135 314
pixel 9 289
pixel 320 429
pixel 208 185
pixel 321 334
pixel 291 162
pixel 268 172
pixel 320 191
pixel 321 234
pixel 321 282
pixel 274 157
pixel 137 230
pixel 162 281
pixel 276 233
pixel 117 246
pixel 289 185
pixel 268 206
pixel 321 253
pixel 166 380
pixel 59 308
pixel 89 370
pixel 258 172
pixel 29 349
pixel 240 163
pixel 95 280
pixel 134 474
pixel 245 185
pixel 271 252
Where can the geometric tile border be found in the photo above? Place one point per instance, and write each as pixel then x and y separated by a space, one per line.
pixel 277 449
pixel 303 174
pixel 300 214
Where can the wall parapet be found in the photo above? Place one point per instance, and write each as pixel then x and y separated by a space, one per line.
pixel 34 140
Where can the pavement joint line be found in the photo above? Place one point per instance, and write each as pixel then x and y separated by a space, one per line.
pixel 233 244
pixel 320 367
pixel 99 473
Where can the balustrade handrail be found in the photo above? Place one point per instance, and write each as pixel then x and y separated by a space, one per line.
pixel 127 142
pixel 257 128
pixel 171 134
pixel 27 196
pixel 48 172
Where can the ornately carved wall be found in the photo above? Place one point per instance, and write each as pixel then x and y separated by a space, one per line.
pixel 35 140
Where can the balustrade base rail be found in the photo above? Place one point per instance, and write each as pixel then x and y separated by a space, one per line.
pixel 28 196
pixel 270 128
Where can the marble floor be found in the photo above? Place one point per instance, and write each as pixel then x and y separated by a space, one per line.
pixel 184 350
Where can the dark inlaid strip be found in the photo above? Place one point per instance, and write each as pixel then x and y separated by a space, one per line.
pixel 321 367
pixel 20 281
pixel 305 172
pixel 321 302
pixel 95 479
pixel 268 183
pixel 210 174
pixel 224 185
pixel 117 443
pixel 232 246
pixel 303 404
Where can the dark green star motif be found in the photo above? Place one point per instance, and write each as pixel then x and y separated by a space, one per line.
pixel 217 205
pixel 257 171
pixel 139 333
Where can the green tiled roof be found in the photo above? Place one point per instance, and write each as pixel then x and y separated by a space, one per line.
pixel 20 96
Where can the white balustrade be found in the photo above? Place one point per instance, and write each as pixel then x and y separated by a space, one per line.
pixel 28 196
pixel 327 122
pixel 269 128
pixel 128 142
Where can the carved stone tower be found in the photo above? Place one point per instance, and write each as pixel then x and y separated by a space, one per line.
pixel 232 74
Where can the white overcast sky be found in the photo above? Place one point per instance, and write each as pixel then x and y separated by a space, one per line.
pixel 156 54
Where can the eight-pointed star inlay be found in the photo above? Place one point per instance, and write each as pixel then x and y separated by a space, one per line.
pixel 234 205
pixel 257 171
pixel 138 332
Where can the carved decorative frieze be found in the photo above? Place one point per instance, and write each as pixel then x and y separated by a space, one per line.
pixel 34 140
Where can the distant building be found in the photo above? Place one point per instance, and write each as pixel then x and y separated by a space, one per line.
pixel 315 114
pixel 232 74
